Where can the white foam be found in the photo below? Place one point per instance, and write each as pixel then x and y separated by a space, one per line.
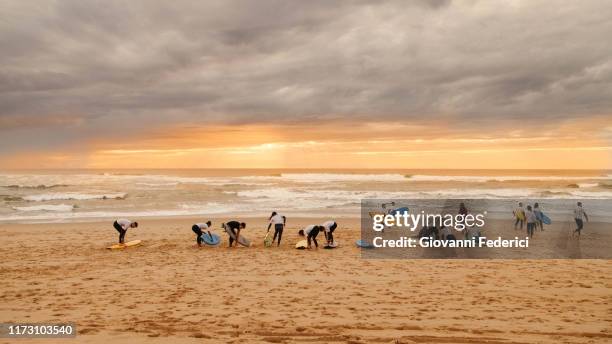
pixel 341 177
pixel 47 207
pixel 484 179
pixel 587 185
pixel 72 196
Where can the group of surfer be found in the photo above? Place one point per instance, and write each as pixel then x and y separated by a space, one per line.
pixel 233 229
pixel 534 218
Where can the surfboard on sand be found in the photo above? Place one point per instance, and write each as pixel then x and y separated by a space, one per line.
pixel 545 219
pixel 364 244
pixel 132 243
pixel 302 244
pixel 268 240
pixel 242 240
pixel 212 239
pixel 332 245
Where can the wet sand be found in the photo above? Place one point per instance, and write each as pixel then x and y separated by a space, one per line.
pixel 168 290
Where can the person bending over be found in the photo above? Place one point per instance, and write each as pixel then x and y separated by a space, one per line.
pixel 329 227
pixel 311 232
pixel 122 225
pixel 198 228
pixel 235 227
pixel 279 222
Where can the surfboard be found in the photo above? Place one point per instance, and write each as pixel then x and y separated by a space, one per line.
pixel 521 215
pixel 126 245
pixel 302 244
pixel 545 219
pixel 242 240
pixel 399 210
pixel 333 245
pixel 212 239
pixel 364 244
pixel 268 240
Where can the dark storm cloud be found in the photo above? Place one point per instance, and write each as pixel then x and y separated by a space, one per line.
pixel 95 68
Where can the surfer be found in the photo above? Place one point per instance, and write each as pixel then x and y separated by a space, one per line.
pixel 234 227
pixel 538 214
pixel 579 215
pixel 279 222
pixel 531 219
pixel 311 232
pixel 122 225
pixel 198 228
pixel 519 213
pixel 329 227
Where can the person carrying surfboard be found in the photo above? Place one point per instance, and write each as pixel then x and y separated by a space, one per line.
pixel 235 227
pixel 539 216
pixel 311 232
pixel 329 227
pixel 579 215
pixel 532 220
pixel 198 228
pixel 519 213
pixel 122 225
pixel 279 222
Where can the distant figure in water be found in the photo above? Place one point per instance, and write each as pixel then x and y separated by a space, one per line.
pixel 279 222
pixel 579 216
pixel 122 225
pixel 198 228
pixel 519 213
pixel 531 219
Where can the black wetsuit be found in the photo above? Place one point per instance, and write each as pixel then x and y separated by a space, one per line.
pixel 121 231
pixel 232 226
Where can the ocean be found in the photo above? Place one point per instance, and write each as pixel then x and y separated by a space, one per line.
pixel 78 195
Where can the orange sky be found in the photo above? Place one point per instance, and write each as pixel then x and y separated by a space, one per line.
pixel 338 145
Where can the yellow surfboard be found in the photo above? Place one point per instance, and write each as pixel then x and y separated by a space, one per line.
pixel 126 245
pixel 302 244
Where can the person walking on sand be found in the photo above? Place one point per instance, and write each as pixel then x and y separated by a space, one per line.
pixel 122 225
pixel 329 227
pixel 235 227
pixel 531 219
pixel 579 216
pixel 279 222
pixel 538 213
pixel 311 232
pixel 519 213
pixel 198 228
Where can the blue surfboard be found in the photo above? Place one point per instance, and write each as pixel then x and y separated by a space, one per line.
pixel 211 240
pixel 399 210
pixel 364 244
pixel 545 219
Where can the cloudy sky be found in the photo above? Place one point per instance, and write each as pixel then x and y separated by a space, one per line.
pixel 430 84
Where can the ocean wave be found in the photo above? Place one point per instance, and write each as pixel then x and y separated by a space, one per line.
pixel 484 179
pixel 341 177
pixel 39 186
pixel 72 196
pixel 47 207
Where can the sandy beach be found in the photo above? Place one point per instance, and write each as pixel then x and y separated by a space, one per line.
pixel 168 289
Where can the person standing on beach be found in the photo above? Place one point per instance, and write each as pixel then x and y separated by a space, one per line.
pixel 279 222
pixel 531 219
pixel 329 227
pixel 579 215
pixel 311 232
pixel 198 228
pixel 235 227
pixel 122 225
pixel 519 213
pixel 538 214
